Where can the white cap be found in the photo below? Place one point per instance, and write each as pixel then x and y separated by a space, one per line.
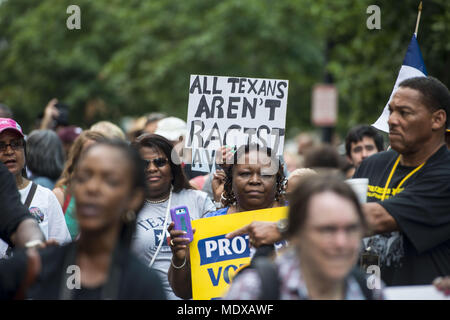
pixel 171 128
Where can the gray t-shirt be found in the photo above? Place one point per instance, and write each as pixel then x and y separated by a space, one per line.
pixel 149 230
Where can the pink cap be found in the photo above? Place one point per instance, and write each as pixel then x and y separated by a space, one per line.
pixel 10 124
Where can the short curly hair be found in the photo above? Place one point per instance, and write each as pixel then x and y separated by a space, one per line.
pixel 228 197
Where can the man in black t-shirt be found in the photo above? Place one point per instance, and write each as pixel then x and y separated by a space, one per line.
pixel 408 207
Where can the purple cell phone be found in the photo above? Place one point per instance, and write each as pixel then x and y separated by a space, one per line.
pixel 180 215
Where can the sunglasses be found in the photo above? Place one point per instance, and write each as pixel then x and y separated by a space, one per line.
pixel 158 162
pixel 15 145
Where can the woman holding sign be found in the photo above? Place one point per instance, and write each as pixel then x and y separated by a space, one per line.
pixel 168 189
pixel 254 181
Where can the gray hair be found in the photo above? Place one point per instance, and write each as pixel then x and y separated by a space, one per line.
pixel 45 154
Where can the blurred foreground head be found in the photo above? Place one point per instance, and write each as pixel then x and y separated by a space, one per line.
pixel 109 187
pixel 325 225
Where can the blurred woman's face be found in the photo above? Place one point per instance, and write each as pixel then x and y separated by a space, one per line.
pixel 103 189
pixel 13 157
pixel 158 172
pixel 254 181
pixel 329 241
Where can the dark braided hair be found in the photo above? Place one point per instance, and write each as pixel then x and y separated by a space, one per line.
pixel 228 196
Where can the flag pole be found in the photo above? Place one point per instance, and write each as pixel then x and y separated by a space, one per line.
pixel 418 18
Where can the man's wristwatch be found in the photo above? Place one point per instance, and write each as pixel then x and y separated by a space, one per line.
pixel 282 226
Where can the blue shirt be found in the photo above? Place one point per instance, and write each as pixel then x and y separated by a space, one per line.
pixel 44 181
pixel 219 212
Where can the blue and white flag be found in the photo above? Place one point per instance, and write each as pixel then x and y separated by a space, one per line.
pixel 413 66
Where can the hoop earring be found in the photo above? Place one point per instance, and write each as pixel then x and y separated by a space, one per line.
pixel 232 199
pixel 281 189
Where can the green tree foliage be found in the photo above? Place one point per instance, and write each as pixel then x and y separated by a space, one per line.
pixel 365 63
pixel 134 57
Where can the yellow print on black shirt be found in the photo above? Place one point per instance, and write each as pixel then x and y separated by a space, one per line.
pixel 377 192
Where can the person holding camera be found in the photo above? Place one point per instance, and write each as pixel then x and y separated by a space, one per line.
pixel 55 114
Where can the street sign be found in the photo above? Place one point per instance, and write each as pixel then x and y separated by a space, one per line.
pixel 324 105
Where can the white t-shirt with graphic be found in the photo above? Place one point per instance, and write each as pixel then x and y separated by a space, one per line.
pixel 149 230
pixel 46 209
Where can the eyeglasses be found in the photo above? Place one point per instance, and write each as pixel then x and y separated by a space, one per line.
pixel 158 162
pixel 15 145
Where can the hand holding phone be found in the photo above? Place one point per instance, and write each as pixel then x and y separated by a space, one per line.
pixel 180 216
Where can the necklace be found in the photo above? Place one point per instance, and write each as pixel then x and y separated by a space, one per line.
pixel 157 201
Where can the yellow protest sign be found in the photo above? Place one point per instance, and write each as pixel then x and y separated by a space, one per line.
pixel 214 258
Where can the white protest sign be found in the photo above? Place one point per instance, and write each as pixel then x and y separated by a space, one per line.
pixel 234 111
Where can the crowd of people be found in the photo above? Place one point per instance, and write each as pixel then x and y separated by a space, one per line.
pixel 97 202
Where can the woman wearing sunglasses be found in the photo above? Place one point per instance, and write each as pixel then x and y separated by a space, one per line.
pixel 168 188
pixel 40 201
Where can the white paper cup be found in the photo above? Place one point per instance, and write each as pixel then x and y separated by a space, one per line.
pixel 359 186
